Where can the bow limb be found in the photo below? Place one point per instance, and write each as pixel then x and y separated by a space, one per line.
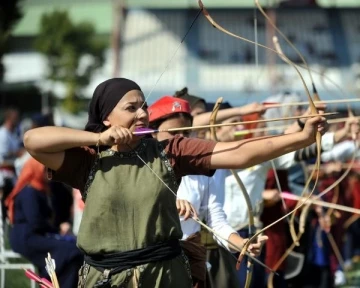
pixel 335 186
pixel 197 220
pixel 288 61
pixel 348 169
pixel 315 93
pixel 272 161
pixel 328 215
pixel 350 221
pixel 213 118
pixel 302 224
pixel 172 57
pixel 334 200
pixel 243 190
pixel 257 3
pixel 352 161
pixel 317 98
pixel 354 137
pixel 278 185
pixel 318 147
pixel 280 219
pixel 330 237
pixel 311 103
pixel 140 158
pixel 306 66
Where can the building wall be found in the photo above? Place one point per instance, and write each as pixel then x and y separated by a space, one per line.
pixel 209 62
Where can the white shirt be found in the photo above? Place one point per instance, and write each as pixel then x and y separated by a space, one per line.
pixel 9 143
pixel 254 179
pixel 340 152
pixel 204 194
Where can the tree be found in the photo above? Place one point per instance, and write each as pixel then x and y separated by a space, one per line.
pixel 10 13
pixel 73 53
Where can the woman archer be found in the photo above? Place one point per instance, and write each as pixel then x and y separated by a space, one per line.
pixel 130 229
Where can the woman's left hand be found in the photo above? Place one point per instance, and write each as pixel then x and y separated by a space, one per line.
pixel 65 228
pixel 254 249
pixel 186 209
pixel 352 125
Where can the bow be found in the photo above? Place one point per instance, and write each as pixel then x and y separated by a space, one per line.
pixel 302 224
pixel 233 246
pixel 315 94
pixel 243 190
pixel 296 238
pixel 197 220
pixel 318 159
pixel 330 237
pixel 354 137
pixel 313 110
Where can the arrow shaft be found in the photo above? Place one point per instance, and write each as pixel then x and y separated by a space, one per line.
pixel 229 124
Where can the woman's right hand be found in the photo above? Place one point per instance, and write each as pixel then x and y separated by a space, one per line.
pixel 186 209
pixel 255 248
pixel 116 135
pixel 314 125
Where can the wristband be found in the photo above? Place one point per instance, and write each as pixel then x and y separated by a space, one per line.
pixel 98 144
pixel 301 124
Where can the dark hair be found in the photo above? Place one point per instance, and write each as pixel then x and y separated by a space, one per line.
pixel 156 124
pixel 106 96
pixel 10 111
pixel 40 120
pixel 193 100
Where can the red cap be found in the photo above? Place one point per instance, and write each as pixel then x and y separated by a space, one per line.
pixel 167 106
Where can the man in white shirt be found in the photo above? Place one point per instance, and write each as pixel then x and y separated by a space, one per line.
pixel 10 144
pixel 10 149
pixel 254 179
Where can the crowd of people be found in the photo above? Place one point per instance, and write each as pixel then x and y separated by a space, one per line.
pixel 137 221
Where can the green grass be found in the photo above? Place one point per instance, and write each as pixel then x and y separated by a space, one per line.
pixel 17 278
pixel 353 276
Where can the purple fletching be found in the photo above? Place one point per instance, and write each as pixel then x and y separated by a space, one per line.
pixel 143 131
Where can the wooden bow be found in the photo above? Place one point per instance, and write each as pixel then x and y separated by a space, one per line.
pixel 318 158
pixel 312 105
pixel 329 235
pixel 296 238
pixel 233 246
pixel 302 224
pixel 243 190
pixel 315 96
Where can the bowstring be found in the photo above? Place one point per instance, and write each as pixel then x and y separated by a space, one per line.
pixel 172 56
pixel 219 240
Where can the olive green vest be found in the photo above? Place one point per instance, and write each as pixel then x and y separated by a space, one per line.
pixel 127 206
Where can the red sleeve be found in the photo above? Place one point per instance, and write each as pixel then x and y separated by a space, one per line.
pixel 190 156
pixel 75 168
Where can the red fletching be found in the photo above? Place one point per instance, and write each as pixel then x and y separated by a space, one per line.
pixel 44 283
pixel 31 275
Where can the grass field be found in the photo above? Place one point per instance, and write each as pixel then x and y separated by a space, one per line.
pixel 17 279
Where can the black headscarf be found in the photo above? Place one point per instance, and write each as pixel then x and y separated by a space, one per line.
pixel 105 98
